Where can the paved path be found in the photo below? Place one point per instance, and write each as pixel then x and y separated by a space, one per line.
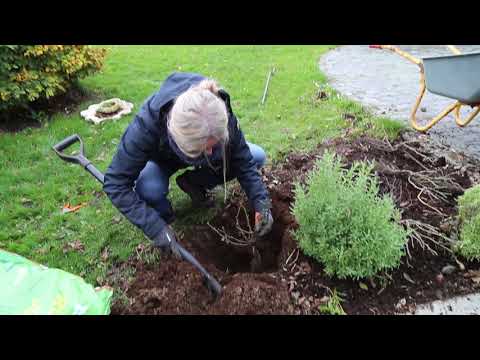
pixel 389 85
pixel 462 305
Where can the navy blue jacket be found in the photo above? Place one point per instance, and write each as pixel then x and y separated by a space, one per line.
pixel 146 138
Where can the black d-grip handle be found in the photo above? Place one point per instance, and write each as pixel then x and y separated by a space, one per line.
pixel 78 159
pixel 65 143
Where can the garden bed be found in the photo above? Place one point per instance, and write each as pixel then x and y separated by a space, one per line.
pixel 424 179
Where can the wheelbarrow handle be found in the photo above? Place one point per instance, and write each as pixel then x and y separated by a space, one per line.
pixel 402 53
pixel 469 118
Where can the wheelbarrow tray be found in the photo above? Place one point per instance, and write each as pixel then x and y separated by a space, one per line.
pixel 454 76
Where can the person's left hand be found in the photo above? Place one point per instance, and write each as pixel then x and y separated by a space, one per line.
pixel 263 222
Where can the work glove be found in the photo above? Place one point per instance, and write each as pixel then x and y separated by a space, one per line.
pixel 263 219
pixel 166 241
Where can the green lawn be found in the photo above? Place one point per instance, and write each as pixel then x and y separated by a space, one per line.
pixel 35 183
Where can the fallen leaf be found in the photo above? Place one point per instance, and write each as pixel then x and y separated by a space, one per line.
pixel 460 265
pixel 104 254
pixel 76 245
pixel 472 273
pixel 321 95
pixel 116 219
pixel 363 286
pixel 26 201
pixel 140 248
pixel 101 157
pixel 44 250
pixel 408 278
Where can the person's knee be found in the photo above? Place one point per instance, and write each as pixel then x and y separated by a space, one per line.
pixel 258 154
pixel 153 192
pixel 152 184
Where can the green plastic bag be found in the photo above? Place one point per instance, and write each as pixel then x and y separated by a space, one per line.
pixel 28 288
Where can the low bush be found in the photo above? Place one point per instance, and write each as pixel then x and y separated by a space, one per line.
pixel 37 72
pixel 344 224
pixel 469 213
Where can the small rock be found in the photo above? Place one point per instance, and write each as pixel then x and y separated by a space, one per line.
pixel 446 227
pixel 324 299
pixel 238 291
pixel 448 269
pixel 438 294
pixel 401 303
pixel 439 279
pixel 306 267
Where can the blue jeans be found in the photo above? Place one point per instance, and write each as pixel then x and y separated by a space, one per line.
pixel 152 184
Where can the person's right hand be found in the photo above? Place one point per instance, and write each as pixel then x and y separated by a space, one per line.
pixel 167 241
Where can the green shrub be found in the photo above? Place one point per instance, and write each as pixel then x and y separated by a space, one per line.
pixel 469 212
pixel 36 72
pixel 344 224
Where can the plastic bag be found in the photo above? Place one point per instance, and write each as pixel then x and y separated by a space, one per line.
pixel 28 288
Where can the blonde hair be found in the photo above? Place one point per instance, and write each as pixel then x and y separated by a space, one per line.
pixel 197 115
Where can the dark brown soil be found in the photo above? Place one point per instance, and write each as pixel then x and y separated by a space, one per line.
pixel 288 282
pixel 19 119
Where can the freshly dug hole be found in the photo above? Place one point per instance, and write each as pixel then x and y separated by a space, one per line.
pixel 172 287
pixel 210 241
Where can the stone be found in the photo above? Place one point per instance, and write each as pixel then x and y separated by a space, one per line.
pixel 448 269
pixel 439 279
pixel 91 113
pixel 401 303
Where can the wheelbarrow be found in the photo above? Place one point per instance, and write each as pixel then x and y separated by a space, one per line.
pixel 454 76
pixel 208 280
